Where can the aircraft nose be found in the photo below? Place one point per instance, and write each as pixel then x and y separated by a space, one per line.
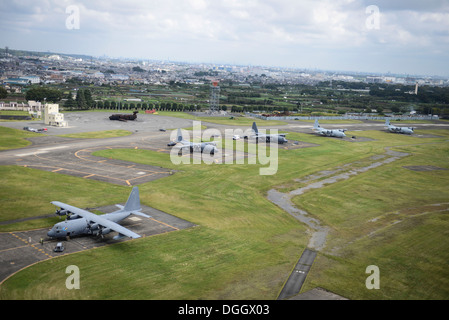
pixel 50 233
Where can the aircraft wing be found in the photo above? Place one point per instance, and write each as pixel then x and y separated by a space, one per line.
pixel 97 219
pixel 258 135
pixel 182 145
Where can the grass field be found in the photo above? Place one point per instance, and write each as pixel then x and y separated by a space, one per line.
pixel 244 247
pixel 14 139
pixel 392 217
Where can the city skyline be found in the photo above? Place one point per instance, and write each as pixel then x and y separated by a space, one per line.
pixel 403 37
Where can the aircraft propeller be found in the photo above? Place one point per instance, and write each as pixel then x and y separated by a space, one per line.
pixel 62 212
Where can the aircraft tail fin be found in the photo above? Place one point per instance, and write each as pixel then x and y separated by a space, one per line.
pixel 179 136
pixel 387 122
pixel 255 128
pixel 133 203
pixel 316 125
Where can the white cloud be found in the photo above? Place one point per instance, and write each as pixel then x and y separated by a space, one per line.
pixel 244 30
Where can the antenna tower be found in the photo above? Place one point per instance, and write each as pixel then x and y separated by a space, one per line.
pixel 214 97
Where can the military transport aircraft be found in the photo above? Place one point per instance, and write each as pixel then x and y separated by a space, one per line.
pixel 339 133
pixel 279 138
pixel 83 222
pixel 392 128
pixel 204 147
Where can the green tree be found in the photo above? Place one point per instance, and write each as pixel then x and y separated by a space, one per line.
pixel 70 104
pixel 81 100
pixel 38 93
pixel 3 93
pixel 88 97
pixel 395 109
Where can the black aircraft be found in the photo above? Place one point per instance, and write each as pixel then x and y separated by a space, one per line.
pixel 124 117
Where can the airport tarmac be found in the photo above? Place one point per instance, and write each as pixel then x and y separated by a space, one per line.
pixel 74 157
pixel 79 122
pixel 20 249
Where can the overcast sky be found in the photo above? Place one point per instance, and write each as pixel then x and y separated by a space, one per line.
pixel 404 36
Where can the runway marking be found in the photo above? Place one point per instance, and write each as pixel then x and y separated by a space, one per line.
pixel 39 151
pixel 164 223
pixel 30 245
pixel 29 154
pixel 85 155
pixel 14 248
pixel 54 148
pixel 72 170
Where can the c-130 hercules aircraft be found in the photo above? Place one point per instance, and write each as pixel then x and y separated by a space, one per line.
pixel 279 138
pixel 394 129
pixel 339 133
pixel 83 222
pixel 204 147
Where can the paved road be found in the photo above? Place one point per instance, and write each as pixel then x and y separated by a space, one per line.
pixel 298 275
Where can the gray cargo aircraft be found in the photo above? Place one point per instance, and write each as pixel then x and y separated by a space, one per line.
pixel 204 147
pixel 279 138
pixel 339 133
pixel 83 222
pixel 392 128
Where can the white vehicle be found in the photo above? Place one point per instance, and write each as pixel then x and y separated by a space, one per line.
pixel 59 247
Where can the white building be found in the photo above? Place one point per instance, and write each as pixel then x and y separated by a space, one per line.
pixel 52 117
pixel 35 105
pixel 32 79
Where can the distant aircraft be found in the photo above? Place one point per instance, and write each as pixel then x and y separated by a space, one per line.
pixel 392 128
pixel 279 138
pixel 34 130
pixel 83 222
pixel 339 133
pixel 204 147
pixel 124 117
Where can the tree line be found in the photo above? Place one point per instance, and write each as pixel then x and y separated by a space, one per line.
pixel 40 93
pixel 426 94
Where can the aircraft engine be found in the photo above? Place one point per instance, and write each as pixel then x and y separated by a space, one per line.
pixel 62 212
pixel 94 226
pixel 104 231
pixel 101 231
pixel 210 149
pixel 72 216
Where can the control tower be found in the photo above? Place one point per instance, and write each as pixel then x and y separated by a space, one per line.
pixel 214 97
